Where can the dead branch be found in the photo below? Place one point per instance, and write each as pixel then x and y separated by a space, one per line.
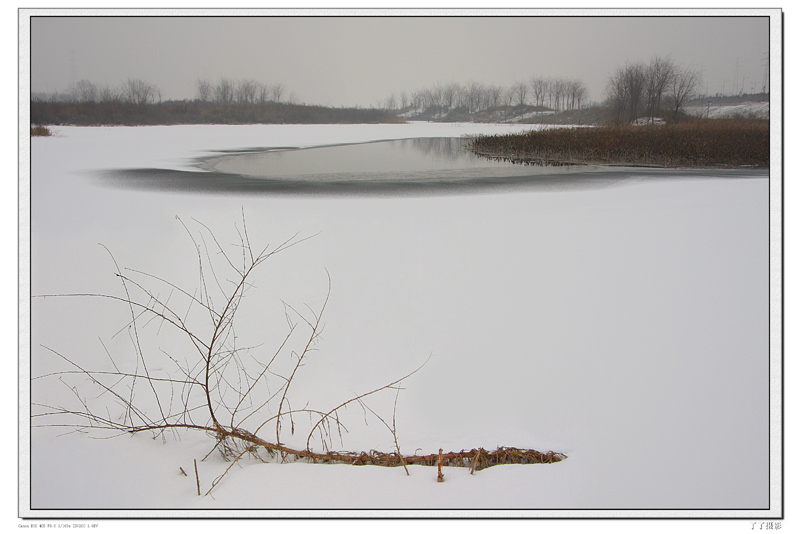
pixel 217 392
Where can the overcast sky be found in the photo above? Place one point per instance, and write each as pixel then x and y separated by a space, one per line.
pixel 361 60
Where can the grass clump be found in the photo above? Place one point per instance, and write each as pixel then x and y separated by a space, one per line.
pixel 698 143
pixel 40 131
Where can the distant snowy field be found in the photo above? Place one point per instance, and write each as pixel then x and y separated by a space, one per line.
pixel 745 109
pixel 626 327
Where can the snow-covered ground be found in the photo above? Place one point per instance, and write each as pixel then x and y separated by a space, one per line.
pixel 758 110
pixel 626 327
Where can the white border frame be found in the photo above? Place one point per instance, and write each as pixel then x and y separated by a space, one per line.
pixel 776 237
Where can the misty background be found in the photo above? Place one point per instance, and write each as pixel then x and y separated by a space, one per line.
pixel 359 61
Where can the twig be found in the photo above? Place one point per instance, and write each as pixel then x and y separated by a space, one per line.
pixel 308 441
pixel 197 477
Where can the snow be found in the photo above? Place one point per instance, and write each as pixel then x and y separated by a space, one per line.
pixel 744 109
pixel 649 120
pixel 625 327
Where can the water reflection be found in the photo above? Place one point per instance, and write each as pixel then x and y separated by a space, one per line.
pixel 422 166
pixel 405 159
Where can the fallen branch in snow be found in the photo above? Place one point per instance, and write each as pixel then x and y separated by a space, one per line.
pixel 223 389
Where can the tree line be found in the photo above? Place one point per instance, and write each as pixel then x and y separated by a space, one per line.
pixel 139 102
pixel 131 91
pixel 245 92
pixel 553 93
pixel 639 90
pixel 659 88
pixel 138 91
pixel 194 112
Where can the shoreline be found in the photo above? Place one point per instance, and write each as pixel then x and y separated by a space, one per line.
pixel 545 162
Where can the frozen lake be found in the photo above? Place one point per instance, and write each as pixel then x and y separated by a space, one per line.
pixel 416 167
pixel 620 317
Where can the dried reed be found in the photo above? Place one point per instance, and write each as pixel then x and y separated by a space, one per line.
pixel 697 143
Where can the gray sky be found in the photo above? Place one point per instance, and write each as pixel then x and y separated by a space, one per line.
pixel 361 60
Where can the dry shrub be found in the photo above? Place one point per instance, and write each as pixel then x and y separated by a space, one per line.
pixel 40 131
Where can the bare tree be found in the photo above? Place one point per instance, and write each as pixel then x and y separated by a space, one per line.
pixel 617 95
pixel 475 94
pixel 508 96
pixel 246 91
pixel 682 87
pixel 84 91
pixel 626 91
pixel 462 97
pixel 417 99
pixel 494 96
pixel 520 90
pixel 449 94
pixel 139 92
pixel 277 90
pixel 264 94
pixel 538 90
pixel 551 92
pixel 561 92
pixel 224 92
pixel 436 96
pixel 578 92
pixel 660 73
pixel 109 94
pixel 391 102
pixel 204 90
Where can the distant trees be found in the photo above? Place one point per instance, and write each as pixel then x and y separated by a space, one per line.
pixel 223 92
pixel 658 75
pixel 48 112
pixel 132 90
pixel 558 93
pixel 539 88
pixel 137 91
pixel 276 90
pixel 552 93
pixel 227 92
pixel 495 95
pixel 682 87
pixel 227 101
pixel 520 91
pixel 246 91
pixel 642 90
pixel 578 94
pixel 391 102
pixel 625 90
pixel 204 90
pixel 84 91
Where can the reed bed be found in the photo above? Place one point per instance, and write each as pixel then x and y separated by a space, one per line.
pixel 701 143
